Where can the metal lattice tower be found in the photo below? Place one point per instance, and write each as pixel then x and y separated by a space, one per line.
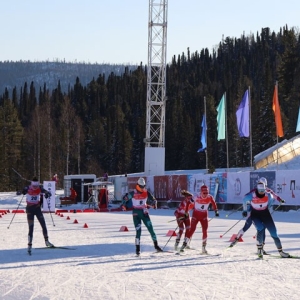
pixel 156 73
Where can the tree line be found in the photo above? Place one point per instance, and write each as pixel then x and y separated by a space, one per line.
pixel 99 127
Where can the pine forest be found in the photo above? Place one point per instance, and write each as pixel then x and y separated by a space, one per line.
pixel 100 126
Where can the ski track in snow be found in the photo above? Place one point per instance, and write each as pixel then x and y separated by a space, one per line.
pixel 104 265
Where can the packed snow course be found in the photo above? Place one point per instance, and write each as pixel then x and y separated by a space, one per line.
pixel 102 262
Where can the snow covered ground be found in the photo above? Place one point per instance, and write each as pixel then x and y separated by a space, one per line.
pixel 103 264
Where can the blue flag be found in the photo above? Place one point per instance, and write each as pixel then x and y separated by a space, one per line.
pixel 298 122
pixel 203 135
pixel 242 116
pixel 221 119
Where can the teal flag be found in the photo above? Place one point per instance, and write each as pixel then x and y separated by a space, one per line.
pixel 221 119
pixel 298 122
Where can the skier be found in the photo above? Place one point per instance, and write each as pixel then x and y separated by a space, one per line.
pixel 182 216
pixel 200 206
pixel 136 201
pixel 33 208
pixel 260 201
pixel 248 222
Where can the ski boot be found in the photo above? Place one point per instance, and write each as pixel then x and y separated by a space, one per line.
pixel 29 244
pixel 48 244
pixel 137 250
pixel 176 244
pixel 283 254
pixel 204 251
pixel 236 240
pixel 137 247
pixel 157 248
pixel 260 252
pixel 29 249
pixel 184 244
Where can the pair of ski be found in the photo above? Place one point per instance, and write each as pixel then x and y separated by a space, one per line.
pixel 200 253
pixel 278 256
pixel 265 254
pixel 54 247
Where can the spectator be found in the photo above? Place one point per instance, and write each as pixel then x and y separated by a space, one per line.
pixel 105 176
pixel 72 196
pixel 55 178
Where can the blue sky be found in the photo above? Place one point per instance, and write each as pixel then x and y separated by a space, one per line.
pixel 116 31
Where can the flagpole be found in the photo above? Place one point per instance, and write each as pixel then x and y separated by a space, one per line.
pixel 276 87
pixel 206 155
pixel 226 130
pixel 250 128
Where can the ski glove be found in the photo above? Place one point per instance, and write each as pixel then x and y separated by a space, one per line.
pixel 216 213
pixel 155 204
pixel 186 215
pixel 282 201
pixel 47 195
pixel 244 213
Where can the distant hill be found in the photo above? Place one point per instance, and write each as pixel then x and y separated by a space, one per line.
pixel 15 74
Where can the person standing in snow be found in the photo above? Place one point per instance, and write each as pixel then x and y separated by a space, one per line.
pixel 200 214
pixel 105 176
pixel 136 201
pixel 248 222
pixel 183 217
pixel 260 201
pixel 33 208
pixel 55 178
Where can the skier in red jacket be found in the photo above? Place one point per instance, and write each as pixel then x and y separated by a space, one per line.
pixel 200 206
pixel 182 216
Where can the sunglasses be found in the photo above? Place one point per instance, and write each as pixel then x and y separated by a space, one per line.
pixel 204 193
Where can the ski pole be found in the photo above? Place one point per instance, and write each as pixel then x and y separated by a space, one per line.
pixel 276 208
pixel 231 228
pixel 169 239
pixel 15 212
pixel 50 211
pixel 234 211
pixel 181 218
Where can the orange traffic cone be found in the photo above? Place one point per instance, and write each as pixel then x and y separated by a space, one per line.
pixel 85 225
pixel 171 233
pixel 68 218
pixel 75 221
pixel 123 228
pixel 233 238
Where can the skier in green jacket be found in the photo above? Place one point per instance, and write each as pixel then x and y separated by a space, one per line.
pixel 136 201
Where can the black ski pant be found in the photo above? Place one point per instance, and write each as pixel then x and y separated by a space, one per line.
pixel 35 210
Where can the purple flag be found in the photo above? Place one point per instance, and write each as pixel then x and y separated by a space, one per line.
pixel 242 116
